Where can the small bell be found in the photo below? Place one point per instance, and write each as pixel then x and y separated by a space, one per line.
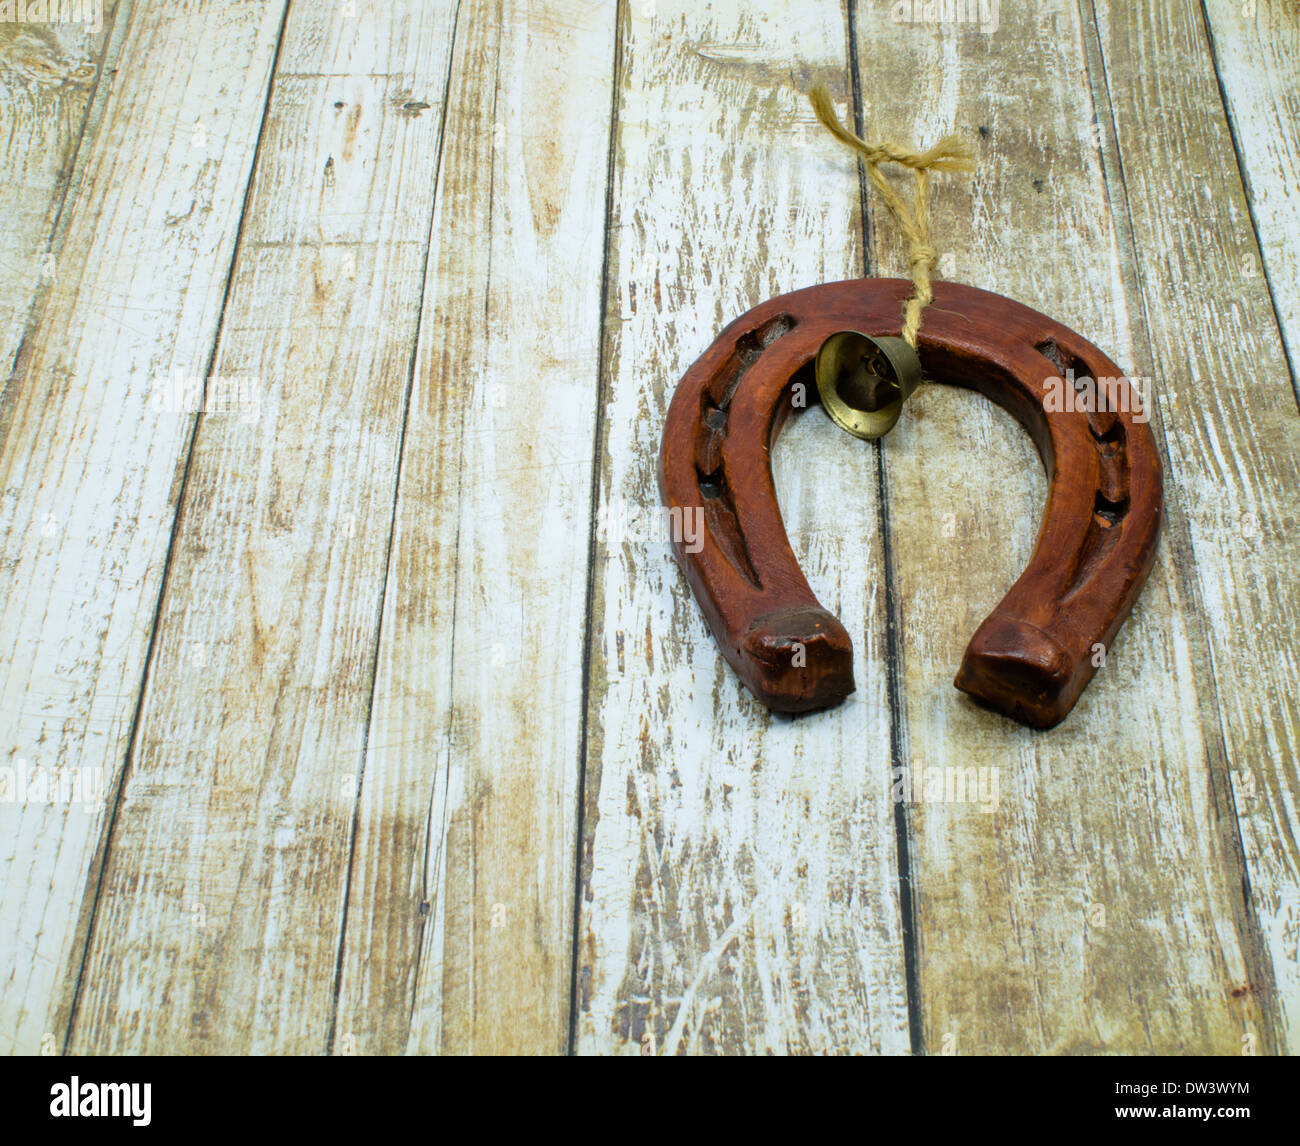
pixel 864 381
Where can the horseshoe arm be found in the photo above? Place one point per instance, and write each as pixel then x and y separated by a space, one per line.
pixel 1034 654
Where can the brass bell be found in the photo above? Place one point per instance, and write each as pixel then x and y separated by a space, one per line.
pixel 864 381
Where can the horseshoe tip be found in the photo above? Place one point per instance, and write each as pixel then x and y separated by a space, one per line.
pixel 798 660
pixel 1017 669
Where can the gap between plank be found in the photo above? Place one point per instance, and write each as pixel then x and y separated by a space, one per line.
pixel 893 645
pixel 597 452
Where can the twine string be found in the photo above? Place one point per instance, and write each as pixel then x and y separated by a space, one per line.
pixel 949 154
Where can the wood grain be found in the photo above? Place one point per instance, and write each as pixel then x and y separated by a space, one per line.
pixel 1232 435
pixel 739 881
pixel 424 670
pixel 1255 48
pixel 263 660
pixel 1097 906
pixel 460 910
pixel 91 460
pixel 47 82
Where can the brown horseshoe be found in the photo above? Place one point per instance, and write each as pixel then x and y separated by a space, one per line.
pixel 1035 653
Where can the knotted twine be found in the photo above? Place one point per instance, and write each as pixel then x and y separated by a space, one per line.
pixel 949 154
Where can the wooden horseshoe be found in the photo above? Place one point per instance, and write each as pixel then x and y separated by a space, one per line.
pixel 1035 653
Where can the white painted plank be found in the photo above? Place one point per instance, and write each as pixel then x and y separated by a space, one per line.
pixel 1097 908
pixel 460 917
pixel 221 909
pixel 47 79
pixel 90 462
pixel 1232 430
pixel 1255 45
pixel 740 890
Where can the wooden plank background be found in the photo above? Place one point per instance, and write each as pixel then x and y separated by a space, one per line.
pixel 337 340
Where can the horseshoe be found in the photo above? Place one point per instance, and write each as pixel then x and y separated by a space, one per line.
pixel 1037 650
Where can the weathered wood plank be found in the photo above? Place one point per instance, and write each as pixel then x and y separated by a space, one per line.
pixel 460 914
pixel 365 725
pixel 740 891
pixel 90 462
pixel 1255 45
pixel 1227 401
pixel 47 82
pixel 220 912
pixel 1097 907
